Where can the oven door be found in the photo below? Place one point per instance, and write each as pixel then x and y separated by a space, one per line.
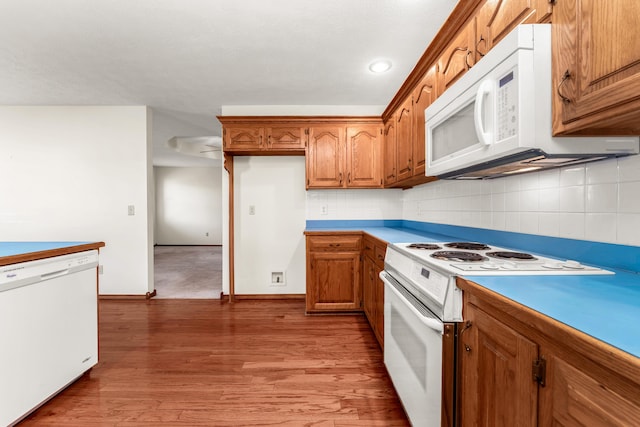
pixel 413 353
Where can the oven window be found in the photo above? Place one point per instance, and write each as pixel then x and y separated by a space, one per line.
pixel 411 345
pixel 454 134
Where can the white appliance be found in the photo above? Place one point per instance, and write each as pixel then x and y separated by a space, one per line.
pixel 48 329
pixel 496 120
pixel 423 307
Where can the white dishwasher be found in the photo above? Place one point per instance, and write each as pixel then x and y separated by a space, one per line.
pixel 48 329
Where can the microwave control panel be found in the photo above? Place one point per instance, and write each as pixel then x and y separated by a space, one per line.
pixel 507 106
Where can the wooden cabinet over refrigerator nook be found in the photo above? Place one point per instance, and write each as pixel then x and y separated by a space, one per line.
pixel 264 135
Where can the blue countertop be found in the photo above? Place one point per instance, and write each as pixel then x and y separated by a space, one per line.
pixel 606 307
pixel 19 248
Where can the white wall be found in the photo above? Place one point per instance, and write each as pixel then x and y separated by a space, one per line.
pixel 596 201
pixel 188 206
pixel 69 174
pixel 272 239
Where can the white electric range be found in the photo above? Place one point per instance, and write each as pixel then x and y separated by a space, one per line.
pixel 422 310
pixel 428 270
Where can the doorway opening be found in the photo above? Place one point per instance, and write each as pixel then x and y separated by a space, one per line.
pixel 191 272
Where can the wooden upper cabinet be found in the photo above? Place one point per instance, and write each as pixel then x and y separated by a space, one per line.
pixel 286 137
pixel 496 19
pixel 423 96
pixel 404 140
pixel 243 135
pixel 345 156
pixel 390 146
pixel 457 58
pixel 596 67
pixel 364 166
pixel 241 138
pixel 326 157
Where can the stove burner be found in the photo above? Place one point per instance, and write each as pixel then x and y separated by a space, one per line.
pixel 458 256
pixel 468 246
pixel 426 246
pixel 510 255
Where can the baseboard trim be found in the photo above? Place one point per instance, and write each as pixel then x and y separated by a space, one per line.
pixel 148 295
pixel 269 296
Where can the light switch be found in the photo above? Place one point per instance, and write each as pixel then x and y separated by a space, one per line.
pixel 131 209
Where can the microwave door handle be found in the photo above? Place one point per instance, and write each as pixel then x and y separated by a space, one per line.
pixel 485 137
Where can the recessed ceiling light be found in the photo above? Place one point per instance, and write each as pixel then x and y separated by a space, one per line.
pixel 380 66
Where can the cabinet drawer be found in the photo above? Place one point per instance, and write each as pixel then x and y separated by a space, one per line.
pixel 334 243
pixel 380 251
pixel 369 247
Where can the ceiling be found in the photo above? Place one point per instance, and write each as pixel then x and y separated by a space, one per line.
pixel 188 58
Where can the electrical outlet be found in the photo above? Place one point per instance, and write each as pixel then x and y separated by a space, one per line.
pixel 100 269
pixel 131 210
pixel 252 210
pixel 324 210
pixel 206 234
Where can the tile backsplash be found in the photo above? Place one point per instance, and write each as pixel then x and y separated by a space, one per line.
pixel 598 201
pixel 354 204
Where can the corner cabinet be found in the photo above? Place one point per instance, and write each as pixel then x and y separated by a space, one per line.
pixel 333 273
pixel 596 67
pixel 345 155
pixel 519 367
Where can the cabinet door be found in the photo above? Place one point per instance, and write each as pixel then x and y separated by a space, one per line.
pixel 497 388
pixel 596 67
pixel 364 165
pixel 369 290
pixel 325 157
pixel 497 18
pixel 333 281
pixel 573 397
pixel 423 96
pixel 286 138
pixel 243 138
pixel 404 140
pixel 390 152
pixel 378 301
pixel 457 58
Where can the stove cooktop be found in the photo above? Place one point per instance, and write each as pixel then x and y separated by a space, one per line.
pixel 473 259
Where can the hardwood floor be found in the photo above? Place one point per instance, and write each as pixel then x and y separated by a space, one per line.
pixel 208 362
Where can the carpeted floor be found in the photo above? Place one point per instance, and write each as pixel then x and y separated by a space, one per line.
pixel 188 271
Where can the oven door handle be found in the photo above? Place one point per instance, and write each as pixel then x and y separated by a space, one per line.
pixel 431 322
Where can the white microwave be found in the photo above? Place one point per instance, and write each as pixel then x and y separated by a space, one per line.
pixel 496 119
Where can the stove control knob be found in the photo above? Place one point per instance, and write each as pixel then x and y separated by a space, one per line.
pixel 490 266
pixel 573 264
pixel 553 265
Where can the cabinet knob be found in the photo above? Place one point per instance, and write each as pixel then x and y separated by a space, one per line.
pixel 467 348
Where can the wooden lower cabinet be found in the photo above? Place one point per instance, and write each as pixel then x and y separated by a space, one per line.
pixel 574 396
pixel 518 367
pixel 333 273
pixel 495 360
pixel 373 286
